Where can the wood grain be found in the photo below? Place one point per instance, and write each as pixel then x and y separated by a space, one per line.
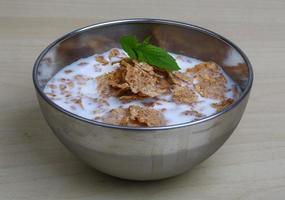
pixel 34 165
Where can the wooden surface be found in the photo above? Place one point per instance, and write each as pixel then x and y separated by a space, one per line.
pixel 33 163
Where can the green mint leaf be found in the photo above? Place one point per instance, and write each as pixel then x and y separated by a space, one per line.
pixel 146 40
pixel 129 44
pixel 158 57
pixel 141 56
pixel 146 52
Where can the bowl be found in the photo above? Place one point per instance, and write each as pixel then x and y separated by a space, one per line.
pixel 143 153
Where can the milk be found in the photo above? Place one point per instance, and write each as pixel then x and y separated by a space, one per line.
pixel 78 81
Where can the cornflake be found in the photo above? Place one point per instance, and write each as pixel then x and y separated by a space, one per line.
pixel 83 63
pixel 130 98
pixel 180 78
pixel 68 71
pixel 195 113
pixel 183 94
pixel 102 85
pixel 209 80
pixel 116 78
pixel 52 86
pixel 102 60
pixel 113 53
pixel 144 66
pixel 78 102
pixel 147 116
pixel 141 81
pixel 134 116
pixel 116 116
pixel 132 80
pixel 223 104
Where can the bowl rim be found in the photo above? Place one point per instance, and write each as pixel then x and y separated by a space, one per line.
pixel 143 20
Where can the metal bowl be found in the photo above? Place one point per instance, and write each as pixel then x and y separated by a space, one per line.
pixel 143 153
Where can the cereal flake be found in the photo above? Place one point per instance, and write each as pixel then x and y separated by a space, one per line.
pixel 183 94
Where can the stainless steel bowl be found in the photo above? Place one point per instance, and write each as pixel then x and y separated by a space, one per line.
pixel 143 153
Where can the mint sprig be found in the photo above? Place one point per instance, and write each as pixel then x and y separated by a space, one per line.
pixel 146 52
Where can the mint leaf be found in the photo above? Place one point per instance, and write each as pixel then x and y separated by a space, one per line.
pixel 158 57
pixel 146 52
pixel 129 44
pixel 146 40
pixel 141 56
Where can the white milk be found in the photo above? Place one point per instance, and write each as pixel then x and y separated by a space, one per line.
pixel 89 68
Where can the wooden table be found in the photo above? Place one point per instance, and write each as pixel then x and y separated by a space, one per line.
pixel 35 165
